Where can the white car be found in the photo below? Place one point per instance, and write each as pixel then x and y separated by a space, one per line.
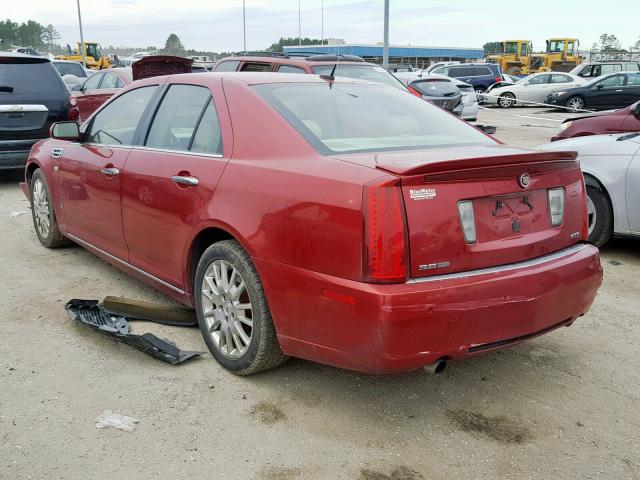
pixel 611 168
pixel 469 97
pixel 533 88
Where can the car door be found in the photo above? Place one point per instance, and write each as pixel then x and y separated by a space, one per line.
pixel 607 93
pixel 633 192
pixel 90 172
pixel 631 89
pixel 535 89
pixel 170 178
pixel 86 96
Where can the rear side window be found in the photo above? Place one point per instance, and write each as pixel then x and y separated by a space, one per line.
pixel 111 81
pixel 556 78
pixel 30 78
pixel 610 68
pixel 290 69
pixel 255 67
pixel 208 137
pixel 93 82
pixel 435 88
pixel 177 117
pixel 229 66
pixel 117 122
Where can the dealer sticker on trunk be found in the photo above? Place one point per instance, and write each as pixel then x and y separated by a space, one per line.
pixel 423 194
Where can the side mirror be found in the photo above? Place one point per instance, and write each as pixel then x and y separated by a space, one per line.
pixel 636 111
pixel 65 131
pixel 600 86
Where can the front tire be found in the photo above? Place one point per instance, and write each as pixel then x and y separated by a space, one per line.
pixel 600 214
pixel 506 100
pixel 232 310
pixel 43 214
pixel 575 104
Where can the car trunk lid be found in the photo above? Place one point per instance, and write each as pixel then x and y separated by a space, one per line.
pixel 156 65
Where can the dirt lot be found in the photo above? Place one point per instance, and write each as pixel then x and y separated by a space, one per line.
pixel 566 405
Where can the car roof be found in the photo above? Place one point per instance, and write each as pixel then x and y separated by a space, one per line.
pixel 294 60
pixel 24 56
pixel 259 78
pixel 66 61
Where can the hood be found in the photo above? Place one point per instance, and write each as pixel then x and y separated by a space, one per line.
pixel 596 145
pixel 621 111
pixel 157 65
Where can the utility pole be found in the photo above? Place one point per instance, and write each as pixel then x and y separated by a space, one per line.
pixel 84 60
pixel 385 47
pixel 244 25
pixel 299 24
pixel 322 22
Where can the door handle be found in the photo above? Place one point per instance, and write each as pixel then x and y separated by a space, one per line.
pixel 182 180
pixel 110 171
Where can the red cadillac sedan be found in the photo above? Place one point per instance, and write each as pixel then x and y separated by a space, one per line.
pixel 336 220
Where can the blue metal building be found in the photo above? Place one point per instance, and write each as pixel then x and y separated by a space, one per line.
pixel 417 56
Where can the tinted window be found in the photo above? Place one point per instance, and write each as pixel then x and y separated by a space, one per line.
pixel 435 88
pixel 363 117
pixel 290 69
pixel 538 80
pixel 468 71
pixel 556 78
pixel 631 66
pixel 111 81
pixel 208 137
pixel 372 73
pixel 614 81
pixel 70 68
pixel 633 80
pixel 116 123
pixel 229 66
pixel 175 120
pixel 255 67
pixel 93 82
pixel 30 78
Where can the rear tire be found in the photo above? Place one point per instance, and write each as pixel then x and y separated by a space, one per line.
pixel 43 214
pixel 600 216
pixel 232 310
pixel 507 100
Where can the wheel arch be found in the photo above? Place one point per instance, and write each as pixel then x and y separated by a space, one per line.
pixel 32 166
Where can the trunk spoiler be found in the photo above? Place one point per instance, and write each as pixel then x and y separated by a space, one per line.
pixel 454 160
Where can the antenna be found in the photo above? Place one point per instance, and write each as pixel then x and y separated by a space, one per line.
pixel 331 77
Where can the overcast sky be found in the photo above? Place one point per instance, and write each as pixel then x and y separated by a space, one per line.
pixel 217 24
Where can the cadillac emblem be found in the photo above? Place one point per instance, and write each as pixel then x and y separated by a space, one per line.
pixel 524 180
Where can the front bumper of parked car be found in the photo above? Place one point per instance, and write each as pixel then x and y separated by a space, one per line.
pixel 400 327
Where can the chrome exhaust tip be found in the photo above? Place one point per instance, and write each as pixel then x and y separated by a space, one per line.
pixel 436 367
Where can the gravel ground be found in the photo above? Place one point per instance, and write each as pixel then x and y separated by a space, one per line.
pixel 565 405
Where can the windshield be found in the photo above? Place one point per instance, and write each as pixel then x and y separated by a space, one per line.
pixel 93 50
pixel 523 80
pixel 30 78
pixel 373 73
pixel 511 47
pixel 70 69
pixel 347 118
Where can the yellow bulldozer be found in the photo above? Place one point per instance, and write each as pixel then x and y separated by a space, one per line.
pixel 92 53
pixel 517 57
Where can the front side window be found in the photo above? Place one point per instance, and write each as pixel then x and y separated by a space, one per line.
pixel 93 82
pixel 228 66
pixel 373 73
pixel 290 69
pixel 614 81
pixel 347 118
pixel 111 81
pixel 177 116
pixel 116 123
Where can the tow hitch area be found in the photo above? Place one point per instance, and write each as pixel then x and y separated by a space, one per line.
pixel 94 315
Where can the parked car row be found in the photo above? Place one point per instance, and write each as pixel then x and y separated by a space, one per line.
pixel 533 89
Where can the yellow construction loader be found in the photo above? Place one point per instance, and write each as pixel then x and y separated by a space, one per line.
pixel 92 53
pixel 514 58
pixel 517 57
pixel 561 55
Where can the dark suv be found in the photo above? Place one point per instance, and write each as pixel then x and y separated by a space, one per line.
pixel 480 75
pixel 345 66
pixel 32 97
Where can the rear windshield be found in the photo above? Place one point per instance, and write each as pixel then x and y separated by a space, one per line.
pixel 30 78
pixel 373 73
pixel 70 69
pixel 346 118
pixel 436 88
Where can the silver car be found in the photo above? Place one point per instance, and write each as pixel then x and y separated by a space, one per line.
pixel 533 88
pixel 611 168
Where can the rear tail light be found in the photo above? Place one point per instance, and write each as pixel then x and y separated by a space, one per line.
pixel 385 252
pixel 74 113
pixel 73 101
pixel 498 79
pixel 556 205
pixel 467 221
pixel 414 91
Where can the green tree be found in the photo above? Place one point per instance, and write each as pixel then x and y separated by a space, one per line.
pixel 50 36
pixel 492 47
pixel 30 34
pixel 8 33
pixel 636 46
pixel 607 43
pixel 292 41
pixel 173 45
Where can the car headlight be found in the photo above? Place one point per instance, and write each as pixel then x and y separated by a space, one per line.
pixel 559 94
pixel 564 126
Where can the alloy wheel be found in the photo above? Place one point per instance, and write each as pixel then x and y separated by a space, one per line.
pixel 575 104
pixel 227 309
pixel 591 214
pixel 41 210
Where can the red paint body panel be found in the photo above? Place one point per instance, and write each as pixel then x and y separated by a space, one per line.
pixel 620 121
pixel 299 215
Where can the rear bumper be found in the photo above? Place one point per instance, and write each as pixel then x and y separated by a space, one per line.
pixel 393 328
pixel 14 153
